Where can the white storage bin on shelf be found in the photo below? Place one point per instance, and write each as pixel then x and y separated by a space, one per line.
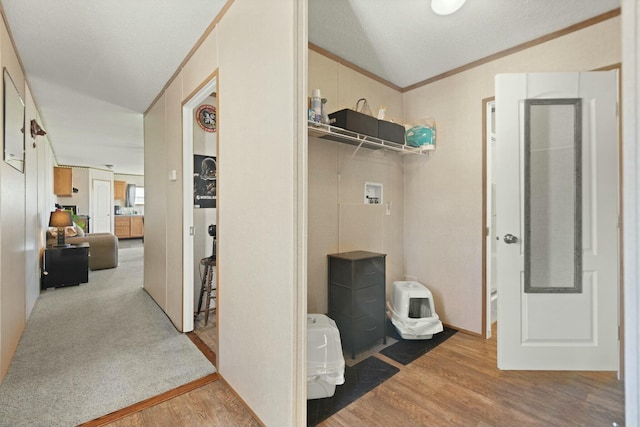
pixel 413 312
pixel 325 362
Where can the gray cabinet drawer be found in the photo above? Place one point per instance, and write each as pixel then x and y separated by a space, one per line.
pixel 367 330
pixel 357 302
pixel 357 274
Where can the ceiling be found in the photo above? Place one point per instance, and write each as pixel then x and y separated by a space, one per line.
pixel 94 66
pixel 404 42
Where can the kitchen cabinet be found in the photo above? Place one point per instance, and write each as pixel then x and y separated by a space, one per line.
pixel 357 298
pixel 129 226
pixel 123 226
pixel 119 190
pixel 137 226
pixel 62 181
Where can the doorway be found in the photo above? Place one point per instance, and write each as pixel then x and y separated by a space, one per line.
pixel 489 280
pixel 101 195
pixel 200 160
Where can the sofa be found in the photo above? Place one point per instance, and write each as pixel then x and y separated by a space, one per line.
pixel 103 247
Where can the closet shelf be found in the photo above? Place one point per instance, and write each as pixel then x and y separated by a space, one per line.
pixel 344 136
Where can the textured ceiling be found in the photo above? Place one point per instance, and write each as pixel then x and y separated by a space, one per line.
pixel 404 42
pixel 95 66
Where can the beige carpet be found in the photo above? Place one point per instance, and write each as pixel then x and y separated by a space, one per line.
pixel 92 349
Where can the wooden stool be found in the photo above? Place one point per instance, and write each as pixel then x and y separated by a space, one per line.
pixel 209 287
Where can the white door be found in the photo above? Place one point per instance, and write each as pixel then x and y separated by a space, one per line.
pixel 557 213
pixel 101 196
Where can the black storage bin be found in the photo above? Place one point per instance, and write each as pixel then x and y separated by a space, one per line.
pixel 391 131
pixel 355 122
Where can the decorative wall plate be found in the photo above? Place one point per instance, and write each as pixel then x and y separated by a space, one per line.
pixel 206 117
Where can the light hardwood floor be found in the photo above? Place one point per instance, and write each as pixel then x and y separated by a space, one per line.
pixel 456 384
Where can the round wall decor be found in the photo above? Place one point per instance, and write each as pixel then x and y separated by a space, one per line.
pixel 206 117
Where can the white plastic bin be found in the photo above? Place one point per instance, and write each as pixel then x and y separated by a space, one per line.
pixel 413 312
pixel 325 362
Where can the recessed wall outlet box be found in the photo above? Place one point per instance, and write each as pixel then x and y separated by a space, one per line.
pixel 372 193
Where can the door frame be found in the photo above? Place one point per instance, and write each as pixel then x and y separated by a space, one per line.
pixel 94 200
pixel 189 104
pixel 486 270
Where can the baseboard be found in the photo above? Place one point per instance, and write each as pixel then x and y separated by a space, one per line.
pixel 203 347
pixel 464 331
pixel 152 401
pixel 241 400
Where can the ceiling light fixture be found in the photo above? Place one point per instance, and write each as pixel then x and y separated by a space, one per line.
pixel 446 7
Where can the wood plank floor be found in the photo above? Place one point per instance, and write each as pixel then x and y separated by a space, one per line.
pixel 456 384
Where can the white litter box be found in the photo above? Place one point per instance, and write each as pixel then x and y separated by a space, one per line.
pixel 413 312
pixel 325 362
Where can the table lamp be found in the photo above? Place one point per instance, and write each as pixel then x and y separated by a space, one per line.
pixel 60 219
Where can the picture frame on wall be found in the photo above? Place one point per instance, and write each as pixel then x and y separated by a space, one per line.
pixel 207 119
pixel 13 116
pixel 204 181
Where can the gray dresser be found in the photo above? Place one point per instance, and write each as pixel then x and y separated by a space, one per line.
pixel 356 298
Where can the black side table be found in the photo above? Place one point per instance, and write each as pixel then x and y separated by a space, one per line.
pixel 65 265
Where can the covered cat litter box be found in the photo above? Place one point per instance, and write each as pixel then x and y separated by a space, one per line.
pixel 412 311
pixel 325 362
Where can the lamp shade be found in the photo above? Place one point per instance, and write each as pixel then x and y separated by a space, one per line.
pixel 60 219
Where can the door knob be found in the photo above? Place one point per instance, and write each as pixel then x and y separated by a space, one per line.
pixel 510 238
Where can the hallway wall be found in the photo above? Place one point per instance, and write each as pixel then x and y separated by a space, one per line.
pixel 26 198
pixel 260 322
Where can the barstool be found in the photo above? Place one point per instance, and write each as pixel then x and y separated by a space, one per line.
pixel 209 286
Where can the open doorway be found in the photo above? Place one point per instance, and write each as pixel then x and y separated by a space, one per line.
pixel 200 148
pixel 489 281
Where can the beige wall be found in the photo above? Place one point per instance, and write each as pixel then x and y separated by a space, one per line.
pixel 443 230
pixel 12 231
pixel 25 202
pixel 338 219
pixel 259 320
pixel 155 221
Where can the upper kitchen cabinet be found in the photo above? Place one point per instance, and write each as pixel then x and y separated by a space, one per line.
pixel 62 181
pixel 119 190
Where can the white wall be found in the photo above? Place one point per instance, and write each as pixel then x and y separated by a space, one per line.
pixel 443 230
pixel 260 322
